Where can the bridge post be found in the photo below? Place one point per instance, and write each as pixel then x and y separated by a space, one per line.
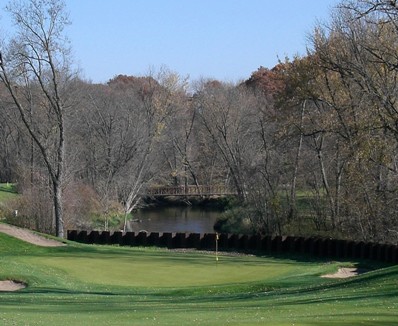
pixel 166 240
pixel 141 239
pixel 153 239
pixel 223 241
pixel 116 237
pixel 128 239
pixel 233 241
pixel 104 237
pixel 193 240
pixel 82 236
pixel 72 235
pixel 208 241
pixel 93 237
pixel 179 240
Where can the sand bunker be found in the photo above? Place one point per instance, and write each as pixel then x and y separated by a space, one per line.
pixel 28 236
pixel 8 286
pixel 344 272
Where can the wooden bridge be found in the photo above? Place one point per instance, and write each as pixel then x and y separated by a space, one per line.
pixel 204 191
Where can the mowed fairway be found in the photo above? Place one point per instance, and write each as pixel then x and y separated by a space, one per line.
pixel 94 285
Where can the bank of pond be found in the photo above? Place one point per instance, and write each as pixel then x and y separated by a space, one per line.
pixel 316 247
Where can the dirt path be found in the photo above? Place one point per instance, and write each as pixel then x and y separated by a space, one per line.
pixel 29 236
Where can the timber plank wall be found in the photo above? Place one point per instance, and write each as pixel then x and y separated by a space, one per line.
pixel 319 247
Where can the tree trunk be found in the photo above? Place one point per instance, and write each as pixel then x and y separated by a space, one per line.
pixel 58 210
pixel 292 209
pixel 319 149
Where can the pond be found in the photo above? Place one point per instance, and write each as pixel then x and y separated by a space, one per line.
pixel 175 219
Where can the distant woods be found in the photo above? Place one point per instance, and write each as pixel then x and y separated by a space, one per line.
pixel 309 146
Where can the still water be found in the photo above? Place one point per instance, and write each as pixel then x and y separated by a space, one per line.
pixel 175 219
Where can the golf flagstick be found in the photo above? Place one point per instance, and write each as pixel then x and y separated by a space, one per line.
pixel 217 237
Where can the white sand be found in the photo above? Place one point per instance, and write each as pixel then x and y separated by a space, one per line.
pixel 343 272
pixel 6 286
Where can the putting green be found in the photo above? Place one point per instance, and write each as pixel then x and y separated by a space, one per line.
pixel 155 268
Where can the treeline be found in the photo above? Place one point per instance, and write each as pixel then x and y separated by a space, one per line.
pixel 310 146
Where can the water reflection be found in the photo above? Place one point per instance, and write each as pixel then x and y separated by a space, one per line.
pixel 174 219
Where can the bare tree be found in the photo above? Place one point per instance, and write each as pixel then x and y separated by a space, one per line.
pixel 156 104
pixel 35 69
pixel 356 99
pixel 228 113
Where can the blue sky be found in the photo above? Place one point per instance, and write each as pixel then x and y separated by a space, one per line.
pixel 221 39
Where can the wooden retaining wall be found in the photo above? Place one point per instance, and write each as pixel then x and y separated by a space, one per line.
pixel 318 247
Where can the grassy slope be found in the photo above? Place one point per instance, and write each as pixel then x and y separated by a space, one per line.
pixel 7 192
pixel 92 285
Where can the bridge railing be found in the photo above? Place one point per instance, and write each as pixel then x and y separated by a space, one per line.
pixel 201 190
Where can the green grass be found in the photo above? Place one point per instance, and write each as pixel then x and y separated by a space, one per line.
pixel 106 285
pixel 7 191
